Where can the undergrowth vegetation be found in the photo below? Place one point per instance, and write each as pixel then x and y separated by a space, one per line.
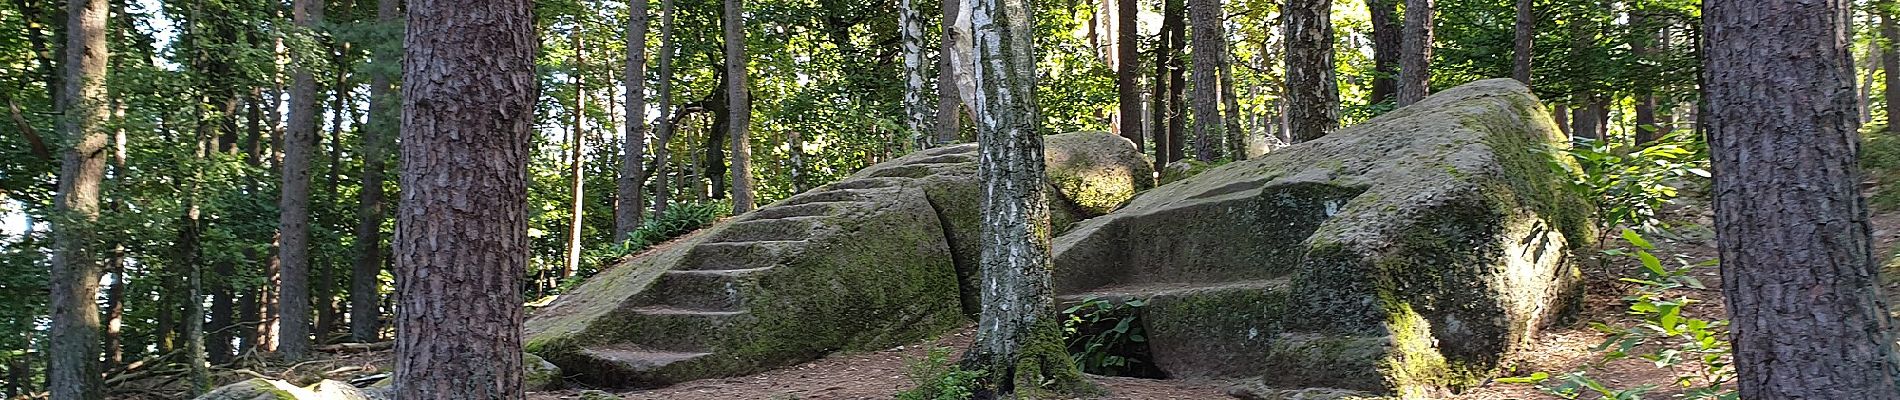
pixel 1630 186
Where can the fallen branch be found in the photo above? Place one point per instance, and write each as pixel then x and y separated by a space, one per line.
pixel 356 347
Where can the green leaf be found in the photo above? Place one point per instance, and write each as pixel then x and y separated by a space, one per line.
pixel 1636 239
pixel 1537 377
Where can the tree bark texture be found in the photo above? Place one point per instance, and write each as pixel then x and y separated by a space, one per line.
pixel 1018 315
pixel 1808 318
pixel 461 241
pixel 630 191
pixel 738 107
pixel 664 132
pixel 1127 70
pixel 1521 42
pixel 72 371
pixel 949 91
pixel 1312 95
pixel 1387 38
pixel 385 114
pixel 1210 39
pixel 1415 56
pixel 293 222
pixel 1175 22
pixel 910 29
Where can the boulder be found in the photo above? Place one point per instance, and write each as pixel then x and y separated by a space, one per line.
pixel 538 374
pixel 1404 256
pixel 883 258
pixel 272 389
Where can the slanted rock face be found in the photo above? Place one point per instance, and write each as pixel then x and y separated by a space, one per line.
pixel 1405 255
pixel 272 389
pixel 873 261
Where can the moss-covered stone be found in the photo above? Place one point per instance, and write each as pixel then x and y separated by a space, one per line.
pixel 1408 254
pixel 879 259
pixel 538 373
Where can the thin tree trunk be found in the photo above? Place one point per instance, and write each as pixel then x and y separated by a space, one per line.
pixel 1388 33
pixel 461 244
pixel 72 371
pixel 385 114
pixel 576 213
pixel 1643 47
pixel 1521 43
pixel 662 191
pixel 1127 69
pixel 630 195
pixel 738 107
pixel 1415 58
pixel 1236 141
pixel 910 29
pixel 1177 79
pixel 293 224
pixel 1312 95
pixel 1161 108
pixel 1019 335
pixel 1798 273
pixel 323 283
pixel 1890 61
pixel 1209 39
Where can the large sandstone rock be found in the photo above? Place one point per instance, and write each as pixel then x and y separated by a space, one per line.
pixel 272 389
pixel 882 258
pixel 1406 255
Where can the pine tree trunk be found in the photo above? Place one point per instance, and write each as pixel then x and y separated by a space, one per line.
pixel 738 107
pixel 1127 70
pixel 1312 95
pixel 1387 39
pixel 949 98
pixel 1643 46
pixel 1798 273
pixel 664 133
pixel 385 116
pixel 1209 35
pixel 323 282
pixel 223 313
pixel 1236 141
pixel 1415 58
pixel 630 194
pixel 293 224
pixel 1018 325
pixel 72 371
pixel 1160 107
pixel 461 243
pixel 910 29
pixel 1521 43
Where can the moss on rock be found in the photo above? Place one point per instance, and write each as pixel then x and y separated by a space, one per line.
pixel 1416 249
pixel 882 258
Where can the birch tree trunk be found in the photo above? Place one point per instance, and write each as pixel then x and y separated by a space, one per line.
pixel 461 241
pixel 72 371
pixel 910 29
pixel 1019 334
pixel 577 190
pixel 1798 273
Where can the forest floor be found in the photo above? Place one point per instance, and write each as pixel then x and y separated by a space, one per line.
pixel 1560 349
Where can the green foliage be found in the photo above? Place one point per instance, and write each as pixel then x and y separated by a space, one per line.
pixel 938 378
pixel 1694 351
pixel 1880 159
pixel 1106 338
pixel 1629 186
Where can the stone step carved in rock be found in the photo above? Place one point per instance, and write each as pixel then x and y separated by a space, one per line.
pixel 715 289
